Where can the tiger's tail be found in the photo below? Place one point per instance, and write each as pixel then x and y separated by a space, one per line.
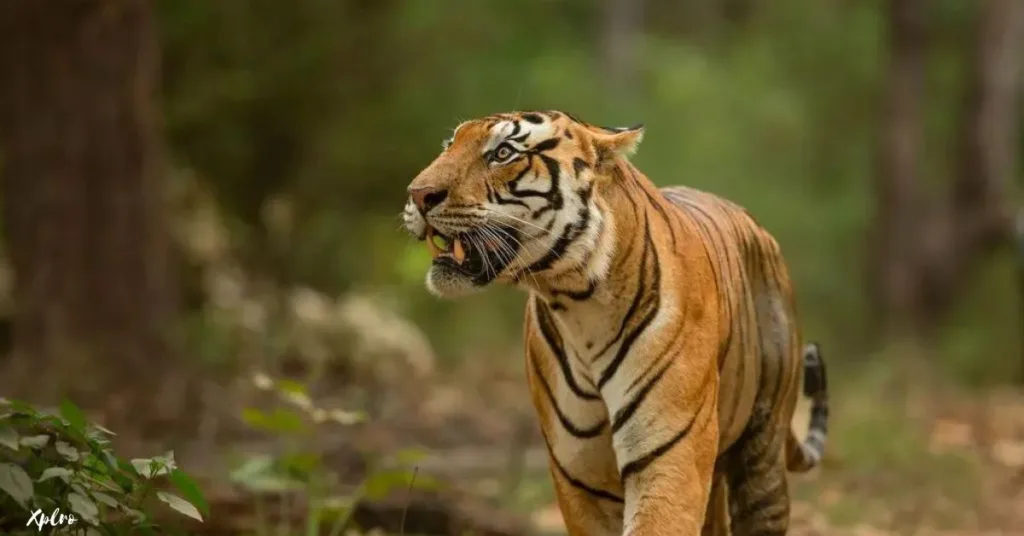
pixel 803 456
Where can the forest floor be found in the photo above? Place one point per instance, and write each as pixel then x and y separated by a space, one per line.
pixel 903 458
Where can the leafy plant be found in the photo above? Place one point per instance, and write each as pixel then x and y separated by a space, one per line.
pixel 59 471
pixel 300 467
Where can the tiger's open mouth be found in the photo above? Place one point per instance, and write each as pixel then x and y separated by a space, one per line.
pixel 474 254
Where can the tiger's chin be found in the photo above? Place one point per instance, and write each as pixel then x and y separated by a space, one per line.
pixel 450 283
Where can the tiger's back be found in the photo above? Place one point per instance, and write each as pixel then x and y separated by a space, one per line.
pixel 760 352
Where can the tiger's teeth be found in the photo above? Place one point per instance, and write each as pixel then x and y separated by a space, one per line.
pixel 458 252
pixel 434 250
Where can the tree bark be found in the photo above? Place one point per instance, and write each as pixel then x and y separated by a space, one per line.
pixel 898 195
pixel 623 25
pixel 83 201
pixel 927 246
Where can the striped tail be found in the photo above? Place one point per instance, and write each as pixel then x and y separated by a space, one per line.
pixel 802 457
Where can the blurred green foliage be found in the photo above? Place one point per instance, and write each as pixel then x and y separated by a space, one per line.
pixel 336 105
pixel 56 465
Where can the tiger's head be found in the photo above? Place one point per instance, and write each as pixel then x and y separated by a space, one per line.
pixel 516 198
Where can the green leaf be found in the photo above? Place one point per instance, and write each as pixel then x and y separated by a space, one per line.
pixel 110 460
pixel 23 407
pixel 410 456
pixel 136 515
pixel 142 466
pixel 105 499
pixel 381 483
pixel 65 449
pixel 167 460
pixel 9 438
pixel 155 466
pixel 36 441
pixel 15 481
pixel 179 504
pixel 190 490
pixel 77 486
pixel 302 462
pixel 258 474
pixel 74 416
pixel 55 472
pixel 84 506
pixel 279 422
pixel 252 467
pixel 104 429
pixel 291 386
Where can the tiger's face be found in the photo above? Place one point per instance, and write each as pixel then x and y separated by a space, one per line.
pixel 512 198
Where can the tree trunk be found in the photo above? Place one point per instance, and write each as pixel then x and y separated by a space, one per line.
pixel 83 208
pixel 1019 251
pixel 623 27
pixel 898 194
pixel 928 246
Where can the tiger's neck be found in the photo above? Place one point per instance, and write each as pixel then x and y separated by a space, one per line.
pixel 591 301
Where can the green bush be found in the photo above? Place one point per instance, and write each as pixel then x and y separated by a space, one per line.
pixel 59 471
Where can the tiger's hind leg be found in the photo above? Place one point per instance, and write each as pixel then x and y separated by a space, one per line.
pixel 758 492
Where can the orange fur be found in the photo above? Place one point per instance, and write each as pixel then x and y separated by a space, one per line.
pixel 662 350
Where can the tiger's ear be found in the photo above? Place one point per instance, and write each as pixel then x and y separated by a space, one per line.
pixel 617 142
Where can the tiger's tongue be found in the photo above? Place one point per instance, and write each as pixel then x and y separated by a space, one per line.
pixel 452 248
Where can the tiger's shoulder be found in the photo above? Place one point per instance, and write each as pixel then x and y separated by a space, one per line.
pixel 722 222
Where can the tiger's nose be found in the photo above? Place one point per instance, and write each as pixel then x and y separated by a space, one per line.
pixel 427 197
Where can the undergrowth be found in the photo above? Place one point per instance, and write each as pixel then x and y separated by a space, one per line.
pixel 59 472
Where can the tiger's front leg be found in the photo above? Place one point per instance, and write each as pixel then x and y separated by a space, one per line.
pixel 665 435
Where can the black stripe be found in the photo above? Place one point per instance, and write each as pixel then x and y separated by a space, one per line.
pixel 570 233
pixel 819 417
pixel 553 195
pixel 546 145
pixel 815 377
pixel 569 426
pixel 653 298
pixel 576 483
pixel 769 504
pixel 636 298
pixel 624 413
pixel 578 165
pixel 533 118
pixel 554 342
pixel 644 461
pixel 656 203
pixel 574 118
pixel 507 201
pixel 578 295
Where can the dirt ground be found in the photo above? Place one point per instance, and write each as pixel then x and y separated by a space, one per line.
pixel 907 461
pixel 925 462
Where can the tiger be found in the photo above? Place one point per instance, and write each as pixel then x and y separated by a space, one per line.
pixel 663 356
